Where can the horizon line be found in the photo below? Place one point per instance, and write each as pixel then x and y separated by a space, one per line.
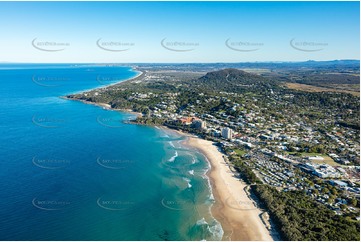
pixel 284 61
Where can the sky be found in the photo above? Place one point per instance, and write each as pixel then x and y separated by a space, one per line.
pixel 178 32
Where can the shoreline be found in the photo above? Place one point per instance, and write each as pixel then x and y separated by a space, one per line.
pixel 237 213
pixel 107 106
pixel 233 209
pixel 140 74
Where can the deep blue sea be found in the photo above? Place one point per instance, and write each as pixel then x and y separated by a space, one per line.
pixel 73 171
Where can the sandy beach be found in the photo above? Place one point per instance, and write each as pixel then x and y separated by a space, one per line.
pixel 239 217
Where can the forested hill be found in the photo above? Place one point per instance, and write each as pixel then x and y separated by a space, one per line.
pixel 233 80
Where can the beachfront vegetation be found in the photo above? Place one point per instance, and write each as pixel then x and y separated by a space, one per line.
pixel 296 215
pixel 300 218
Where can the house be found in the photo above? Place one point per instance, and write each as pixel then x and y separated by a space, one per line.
pixel 187 120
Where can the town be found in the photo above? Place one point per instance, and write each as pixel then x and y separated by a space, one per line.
pixel 287 139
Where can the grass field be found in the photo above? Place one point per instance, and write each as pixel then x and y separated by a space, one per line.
pixel 240 152
pixel 326 159
pixel 310 88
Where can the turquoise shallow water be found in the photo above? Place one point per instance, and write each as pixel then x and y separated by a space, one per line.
pixel 71 171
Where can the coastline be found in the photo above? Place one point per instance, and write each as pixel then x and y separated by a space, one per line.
pixel 140 75
pixel 233 209
pixel 240 218
pixel 105 106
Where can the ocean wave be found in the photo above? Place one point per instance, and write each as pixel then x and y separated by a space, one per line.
pixel 216 230
pixel 194 158
pixel 208 231
pixel 171 144
pixel 188 182
pixel 204 174
pixel 211 197
pixel 191 172
pixel 173 157
pixel 202 221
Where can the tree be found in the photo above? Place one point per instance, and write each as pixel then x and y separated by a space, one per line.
pixel 353 202
pixel 325 190
pixel 334 191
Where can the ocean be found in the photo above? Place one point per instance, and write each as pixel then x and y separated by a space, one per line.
pixel 72 171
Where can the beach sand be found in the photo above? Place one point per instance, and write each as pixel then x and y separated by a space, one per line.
pixel 239 217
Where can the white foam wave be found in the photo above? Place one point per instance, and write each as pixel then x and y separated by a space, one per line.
pixel 188 182
pixel 194 159
pixel 216 230
pixel 173 157
pixel 201 222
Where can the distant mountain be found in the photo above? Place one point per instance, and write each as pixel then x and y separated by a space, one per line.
pixel 333 65
pixel 232 80
pixel 347 62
